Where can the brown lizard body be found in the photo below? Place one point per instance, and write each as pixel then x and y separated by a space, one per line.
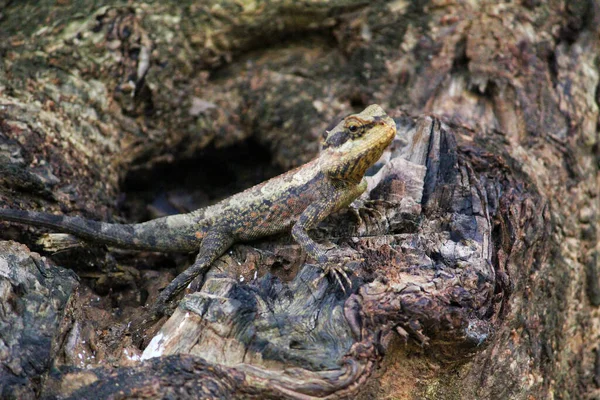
pixel 298 200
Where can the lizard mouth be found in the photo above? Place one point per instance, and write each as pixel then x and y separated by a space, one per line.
pixel 389 127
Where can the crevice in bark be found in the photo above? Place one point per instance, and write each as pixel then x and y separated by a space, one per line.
pixel 183 185
pixel 460 63
pixel 580 17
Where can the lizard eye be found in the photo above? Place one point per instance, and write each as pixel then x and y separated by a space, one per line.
pixel 355 128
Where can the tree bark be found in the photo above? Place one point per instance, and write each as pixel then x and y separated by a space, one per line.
pixel 478 232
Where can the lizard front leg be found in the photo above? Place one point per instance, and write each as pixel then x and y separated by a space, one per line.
pixel 341 195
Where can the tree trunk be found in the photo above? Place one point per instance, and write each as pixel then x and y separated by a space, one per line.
pixel 478 232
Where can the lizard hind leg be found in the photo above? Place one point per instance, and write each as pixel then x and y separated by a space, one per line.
pixel 214 244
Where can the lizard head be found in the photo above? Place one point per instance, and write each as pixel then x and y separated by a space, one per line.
pixel 356 143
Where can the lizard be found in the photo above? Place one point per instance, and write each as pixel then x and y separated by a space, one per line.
pixel 295 201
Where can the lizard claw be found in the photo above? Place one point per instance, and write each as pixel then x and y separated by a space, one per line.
pixel 334 264
pixel 337 271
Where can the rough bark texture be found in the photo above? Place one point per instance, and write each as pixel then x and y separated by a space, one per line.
pixel 32 329
pixel 478 232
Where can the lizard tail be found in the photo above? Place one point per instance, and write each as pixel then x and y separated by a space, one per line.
pixel 162 234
